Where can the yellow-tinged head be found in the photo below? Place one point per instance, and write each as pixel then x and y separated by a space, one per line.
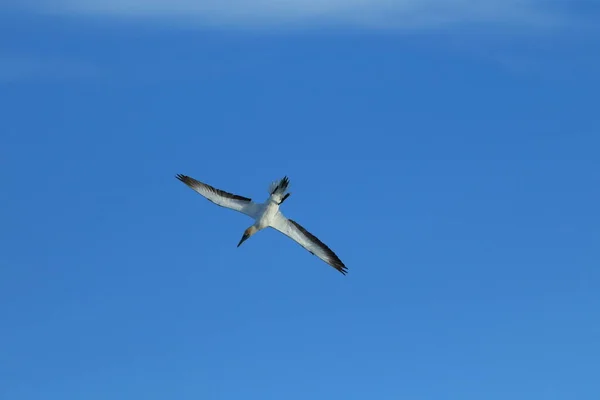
pixel 247 233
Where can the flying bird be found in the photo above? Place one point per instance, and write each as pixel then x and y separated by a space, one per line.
pixel 267 215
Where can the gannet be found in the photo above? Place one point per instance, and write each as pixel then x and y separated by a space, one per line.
pixel 267 215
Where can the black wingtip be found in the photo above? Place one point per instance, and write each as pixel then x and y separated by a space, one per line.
pixel 332 259
pixel 284 197
pixel 341 267
pixel 284 182
pixel 282 185
pixel 185 179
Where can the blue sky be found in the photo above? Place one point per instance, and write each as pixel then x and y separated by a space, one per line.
pixel 446 151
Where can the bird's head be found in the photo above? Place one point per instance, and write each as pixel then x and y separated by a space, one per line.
pixel 247 233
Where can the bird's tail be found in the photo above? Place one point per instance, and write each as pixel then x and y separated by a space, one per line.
pixel 277 189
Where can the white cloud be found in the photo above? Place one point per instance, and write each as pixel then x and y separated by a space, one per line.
pixel 398 14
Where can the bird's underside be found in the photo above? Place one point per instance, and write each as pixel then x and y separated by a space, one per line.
pixel 267 214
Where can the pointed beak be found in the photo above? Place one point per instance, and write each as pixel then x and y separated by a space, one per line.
pixel 246 236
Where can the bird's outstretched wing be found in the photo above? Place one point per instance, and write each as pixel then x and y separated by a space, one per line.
pixel 222 198
pixel 310 242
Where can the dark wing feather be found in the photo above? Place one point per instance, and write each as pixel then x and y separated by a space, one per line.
pixel 221 197
pixel 310 242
